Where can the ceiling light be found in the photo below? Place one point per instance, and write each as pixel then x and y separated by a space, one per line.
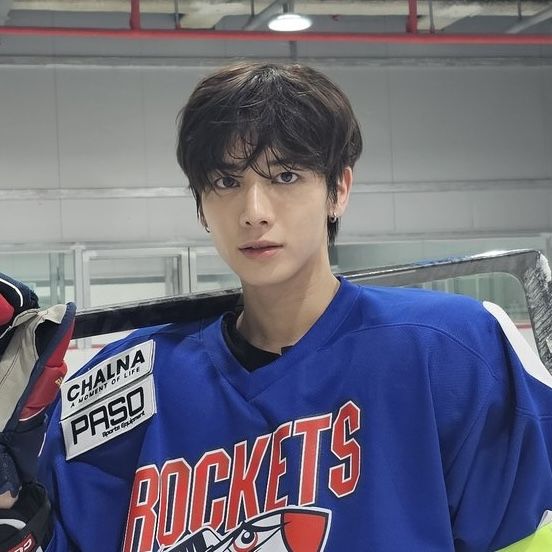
pixel 289 22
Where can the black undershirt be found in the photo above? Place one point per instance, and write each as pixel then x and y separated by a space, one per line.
pixel 249 356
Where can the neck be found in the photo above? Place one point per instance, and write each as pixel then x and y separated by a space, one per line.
pixel 280 315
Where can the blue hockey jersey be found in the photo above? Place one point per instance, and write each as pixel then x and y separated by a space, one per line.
pixel 404 420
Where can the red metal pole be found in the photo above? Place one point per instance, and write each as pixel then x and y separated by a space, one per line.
pixel 264 36
pixel 135 14
pixel 412 21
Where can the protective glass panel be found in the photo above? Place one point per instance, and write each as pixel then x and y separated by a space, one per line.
pixel 360 256
pixel 116 280
pixel 49 275
pixel 211 272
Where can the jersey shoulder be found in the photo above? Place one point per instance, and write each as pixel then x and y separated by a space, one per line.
pixel 161 334
pixel 460 332
pixel 457 316
pixel 116 391
pixel 129 361
pixel 464 328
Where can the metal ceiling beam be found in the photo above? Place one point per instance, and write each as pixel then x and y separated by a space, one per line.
pixel 529 22
pixel 5 7
pixel 446 14
pixel 141 61
pixel 241 7
pixel 263 36
pixel 205 14
pixel 263 17
pixel 134 14
pixel 412 20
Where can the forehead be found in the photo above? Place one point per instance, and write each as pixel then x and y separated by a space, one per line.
pixel 239 158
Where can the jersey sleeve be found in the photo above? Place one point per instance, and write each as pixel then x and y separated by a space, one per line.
pixel 499 482
pixel 59 541
pixel 76 489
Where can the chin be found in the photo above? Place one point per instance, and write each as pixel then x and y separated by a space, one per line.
pixel 265 276
pixel 258 280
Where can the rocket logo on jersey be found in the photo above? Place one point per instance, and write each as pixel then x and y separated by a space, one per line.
pixel 286 530
pixel 261 488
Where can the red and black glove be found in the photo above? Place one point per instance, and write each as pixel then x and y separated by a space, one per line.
pixel 33 342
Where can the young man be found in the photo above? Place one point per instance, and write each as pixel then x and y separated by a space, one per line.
pixel 322 415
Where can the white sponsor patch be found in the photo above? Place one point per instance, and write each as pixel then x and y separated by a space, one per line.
pixel 108 376
pixel 109 418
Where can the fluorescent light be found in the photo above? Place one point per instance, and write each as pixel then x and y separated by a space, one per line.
pixel 289 22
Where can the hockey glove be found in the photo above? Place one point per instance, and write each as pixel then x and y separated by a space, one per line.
pixel 33 343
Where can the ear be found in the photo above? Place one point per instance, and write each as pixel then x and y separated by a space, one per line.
pixel 344 185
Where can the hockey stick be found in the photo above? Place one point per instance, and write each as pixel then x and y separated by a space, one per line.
pixel 178 308
pixel 530 267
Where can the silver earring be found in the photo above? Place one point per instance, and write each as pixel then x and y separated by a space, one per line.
pixel 332 218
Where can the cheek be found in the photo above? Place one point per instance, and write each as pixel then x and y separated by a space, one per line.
pixel 219 233
pixel 208 209
pixel 215 216
pixel 310 223
pixel 222 243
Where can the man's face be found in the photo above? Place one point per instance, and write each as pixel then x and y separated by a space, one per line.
pixel 268 230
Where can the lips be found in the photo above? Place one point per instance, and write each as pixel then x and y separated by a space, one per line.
pixel 260 244
pixel 261 253
pixel 260 249
pixel 267 248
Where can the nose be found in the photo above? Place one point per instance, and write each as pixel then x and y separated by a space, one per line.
pixel 257 207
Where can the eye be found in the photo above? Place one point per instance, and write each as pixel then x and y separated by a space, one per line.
pixel 225 182
pixel 287 177
pixel 246 540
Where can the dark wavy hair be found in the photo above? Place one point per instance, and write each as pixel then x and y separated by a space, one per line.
pixel 247 110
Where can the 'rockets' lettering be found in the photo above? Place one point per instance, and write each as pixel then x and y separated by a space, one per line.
pixel 278 466
pixel 345 476
pixel 218 462
pixel 310 428
pixel 221 490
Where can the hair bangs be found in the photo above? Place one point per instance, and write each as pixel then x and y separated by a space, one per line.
pixel 256 131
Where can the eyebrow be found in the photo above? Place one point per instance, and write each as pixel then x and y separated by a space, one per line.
pixel 226 166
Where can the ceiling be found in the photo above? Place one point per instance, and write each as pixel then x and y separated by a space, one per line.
pixel 418 19
pixel 210 14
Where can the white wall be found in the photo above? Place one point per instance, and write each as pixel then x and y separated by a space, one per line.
pixel 448 150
